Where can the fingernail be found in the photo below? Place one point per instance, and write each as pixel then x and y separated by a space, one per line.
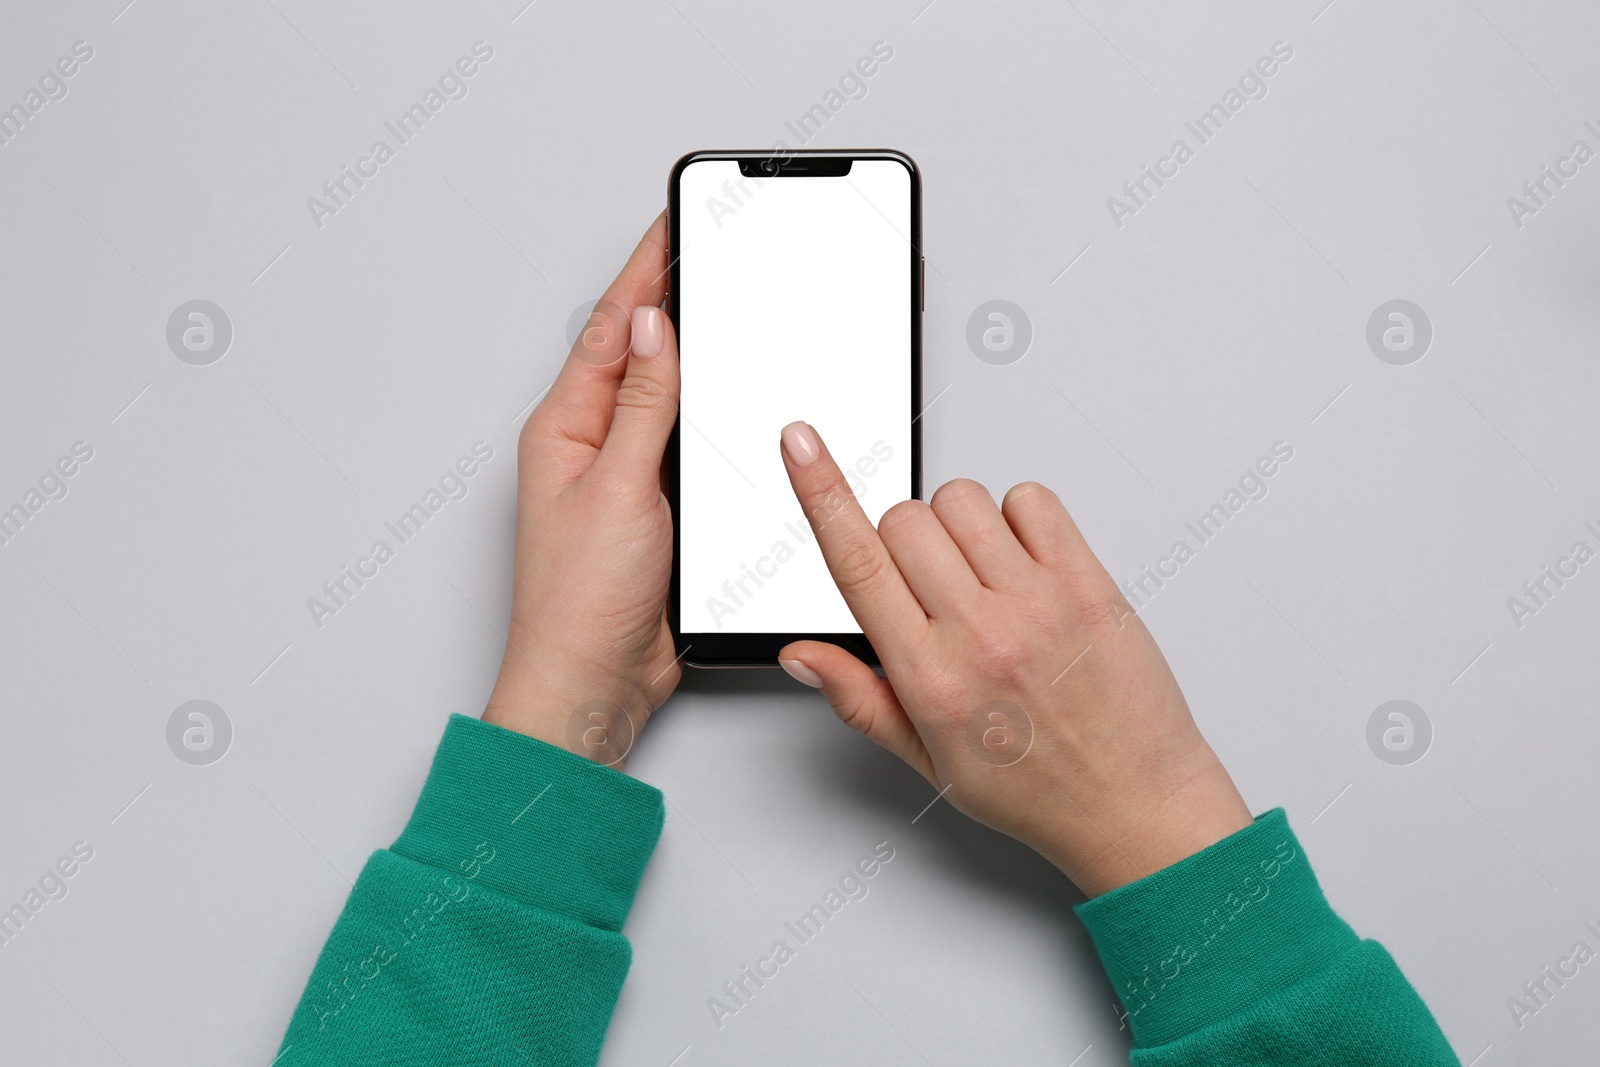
pixel 800 442
pixel 801 673
pixel 1022 489
pixel 648 334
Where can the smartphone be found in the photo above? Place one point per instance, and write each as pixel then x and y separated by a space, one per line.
pixel 795 284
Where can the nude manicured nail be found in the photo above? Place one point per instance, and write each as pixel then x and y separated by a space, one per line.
pixel 799 671
pixel 648 334
pixel 800 442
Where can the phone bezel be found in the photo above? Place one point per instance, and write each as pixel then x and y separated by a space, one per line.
pixel 761 650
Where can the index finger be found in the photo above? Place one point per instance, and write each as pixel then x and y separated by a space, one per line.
pixel 873 587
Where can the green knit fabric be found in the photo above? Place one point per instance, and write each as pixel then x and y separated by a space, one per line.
pixel 1233 958
pixel 489 934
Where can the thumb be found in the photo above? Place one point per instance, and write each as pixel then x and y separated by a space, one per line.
pixel 863 701
pixel 647 398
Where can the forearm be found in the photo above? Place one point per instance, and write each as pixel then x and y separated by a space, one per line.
pixel 1234 957
pixel 489 933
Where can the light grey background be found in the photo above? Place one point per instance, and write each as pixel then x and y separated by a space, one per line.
pixel 1228 314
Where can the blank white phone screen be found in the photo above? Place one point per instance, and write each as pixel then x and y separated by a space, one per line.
pixel 794 303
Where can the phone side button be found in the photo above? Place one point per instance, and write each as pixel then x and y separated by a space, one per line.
pixel 922 286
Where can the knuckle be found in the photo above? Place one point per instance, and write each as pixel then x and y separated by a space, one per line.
pixel 861 564
pixel 643 393
pixel 981 540
pixel 1000 651
pixel 829 503
pixel 852 710
pixel 1042 617
pixel 1103 608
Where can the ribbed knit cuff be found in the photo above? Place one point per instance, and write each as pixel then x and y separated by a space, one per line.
pixel 1214 933
pixel 534 822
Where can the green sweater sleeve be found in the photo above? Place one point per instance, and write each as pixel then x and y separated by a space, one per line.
pixel 490 932
pixel 1233 958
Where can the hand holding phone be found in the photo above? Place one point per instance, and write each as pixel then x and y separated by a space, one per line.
pixel 589 654
pixel 1018 681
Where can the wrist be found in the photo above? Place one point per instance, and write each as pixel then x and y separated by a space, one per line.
pixel 596 716
pixel 1133 838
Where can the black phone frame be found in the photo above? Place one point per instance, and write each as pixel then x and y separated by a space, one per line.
pixel 761 650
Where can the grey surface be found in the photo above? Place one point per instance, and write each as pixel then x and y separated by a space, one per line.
pixel 1226 315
